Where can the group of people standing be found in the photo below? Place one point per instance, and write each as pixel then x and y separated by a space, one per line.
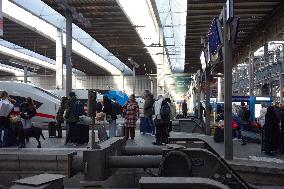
pixel 157 116
pixel 26 113
pixel 273 128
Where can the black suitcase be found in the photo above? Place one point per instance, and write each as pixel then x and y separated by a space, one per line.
pixel 219 135
pixel 12 135
pixel 83 134
pixel 52 129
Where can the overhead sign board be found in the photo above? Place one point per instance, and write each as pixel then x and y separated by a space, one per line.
pixel 182 84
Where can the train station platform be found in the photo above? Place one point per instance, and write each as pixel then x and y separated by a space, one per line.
pixel 253 165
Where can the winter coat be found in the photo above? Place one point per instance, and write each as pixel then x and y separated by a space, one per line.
pixel 26 112
pixel 261 118
pixel 69 115
pixel 148 106
pixel 157 108
pixel 108 109
pixel 60 112
pixel 132 114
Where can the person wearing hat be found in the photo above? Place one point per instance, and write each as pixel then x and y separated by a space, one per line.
pixel 70 117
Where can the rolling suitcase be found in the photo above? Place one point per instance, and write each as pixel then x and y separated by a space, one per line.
pixel 12 135
pixel 102 134
pixel 83 134
pixel 219 135
pixel 120 130
pixel 52 129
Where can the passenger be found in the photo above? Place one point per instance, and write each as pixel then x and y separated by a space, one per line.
pixel 172 115
pixel 244 115
pixel 99 107
pixel 148 111
pixel 262 112
pixel 142 125
pixel 110 116
pixel 131 117
pixel 162 119
pixel 202 111
pixel 59 116
pixel 184 109
pixel 282 130
pixel 70 117
pixel 271 130
pixel 27 112
pixel 5 120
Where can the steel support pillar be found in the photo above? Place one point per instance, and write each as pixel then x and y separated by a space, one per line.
pixel 228 88
pixel 281 76
pixel 199 96
pixel 207 97
pixel 251 74
pixel 219 94
pixel 68 52
pixel 59 60
pixel 25 74
pixel 266 62
pixel 134 80
pixel 123 88
pixel 151 86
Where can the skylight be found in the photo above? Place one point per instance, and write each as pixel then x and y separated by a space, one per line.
pixel 46 23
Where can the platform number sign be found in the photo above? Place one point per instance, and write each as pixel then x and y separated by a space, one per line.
pixel 1 19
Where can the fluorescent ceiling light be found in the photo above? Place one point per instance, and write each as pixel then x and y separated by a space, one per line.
pixel 26 58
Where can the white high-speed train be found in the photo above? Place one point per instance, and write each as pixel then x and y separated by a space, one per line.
pixel 46 102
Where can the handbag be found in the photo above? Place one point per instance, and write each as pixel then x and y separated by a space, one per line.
pixel 5 107
pixel 108 118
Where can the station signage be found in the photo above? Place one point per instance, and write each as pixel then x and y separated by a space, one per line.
pixel 182 84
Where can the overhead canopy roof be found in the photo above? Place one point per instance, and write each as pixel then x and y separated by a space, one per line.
pixel 260 21
pixel 111 27
pixel 26 38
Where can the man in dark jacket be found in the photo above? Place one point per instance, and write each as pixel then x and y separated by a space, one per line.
pixel 148 111
pixel 70 117
pixel 110 115
pixel 184 109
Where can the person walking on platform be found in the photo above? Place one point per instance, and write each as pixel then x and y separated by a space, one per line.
pixel 271 132
pixel 184 109
pixel 282 130
pixel 162 119
pixel 27 112
pixel 148 111
pixel 71 117
pixel 59 116
pixel 5 117
pixel 131 117
pixel 244 114
pixel 111 117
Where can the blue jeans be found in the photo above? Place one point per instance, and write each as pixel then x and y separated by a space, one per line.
pixel 112 128
pixel 150 124
pixel 5 136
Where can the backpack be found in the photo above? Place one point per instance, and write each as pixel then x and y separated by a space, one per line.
pixel 79 109
pixel 116 109
pixel 245 114
pixel 165 110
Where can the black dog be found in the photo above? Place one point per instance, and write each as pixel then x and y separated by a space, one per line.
pixel 34 132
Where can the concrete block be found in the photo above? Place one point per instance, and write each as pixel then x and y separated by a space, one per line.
pixel 9 165
pixel 4 157
pixel 37 157
pixel 38 165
